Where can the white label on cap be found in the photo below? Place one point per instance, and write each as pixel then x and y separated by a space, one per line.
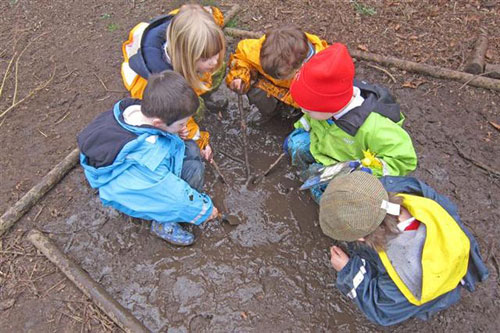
pixel 390 208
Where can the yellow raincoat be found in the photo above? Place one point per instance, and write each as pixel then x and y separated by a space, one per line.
pixel 244 64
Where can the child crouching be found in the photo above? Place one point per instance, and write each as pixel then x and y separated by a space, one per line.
pixel 140 165
pixel 414 253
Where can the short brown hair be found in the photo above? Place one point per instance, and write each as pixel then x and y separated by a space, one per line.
pixel 169 97
pixel 389 227
pixel 283 51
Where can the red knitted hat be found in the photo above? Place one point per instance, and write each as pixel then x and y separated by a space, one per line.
pixel 325 82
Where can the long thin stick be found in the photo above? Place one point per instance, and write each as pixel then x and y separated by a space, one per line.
pixel 31 93
pixel 114 310
pixel 275 163
pixel 434 71
pixel 476 163
pixel 14 213
pixel 244 133
pixel 217 170
pixel 7 73
pixel 234 158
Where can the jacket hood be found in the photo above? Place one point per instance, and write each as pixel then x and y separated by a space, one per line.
pixel 108 144
pixel 151 58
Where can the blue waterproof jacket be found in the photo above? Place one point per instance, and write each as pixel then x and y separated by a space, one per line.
pixel 137 169
pixel 365 279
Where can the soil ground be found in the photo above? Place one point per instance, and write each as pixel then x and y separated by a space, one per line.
pixel 271 273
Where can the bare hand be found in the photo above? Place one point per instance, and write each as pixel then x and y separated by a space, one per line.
pixel 214 215
pixel 237 85
pixel 338 258
pixel 207 153
pixel 183 133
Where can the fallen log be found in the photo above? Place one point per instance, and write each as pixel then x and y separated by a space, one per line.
pixel 475 63
pixel 14 213
pixel 492 70
pixel 94 291
pixel 230 14
pixel 410 66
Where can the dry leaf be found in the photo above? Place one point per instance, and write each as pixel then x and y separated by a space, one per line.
pixel 409 85
pixel 362 47
pixel 488 54
pixel 243 315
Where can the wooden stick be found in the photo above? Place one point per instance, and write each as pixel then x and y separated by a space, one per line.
pixel 231 14
pixel 7 73
pixel 244 133
pixel 475 63
pixel 14 213
pixel 260 177
pixel 217 170
pixel 434 71
pixel 114 310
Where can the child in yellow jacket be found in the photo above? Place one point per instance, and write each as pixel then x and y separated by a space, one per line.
pixel 189 41
pixel 263 68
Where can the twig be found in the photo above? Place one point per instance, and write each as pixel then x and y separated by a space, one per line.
pixel 476 163
pixel 275 163
pixel 244 133
pixel 383 70
pixel 17 65
pixel 230 14
pixel 31 93
pixel 44 135
pixel 217 170
pixel 106 88
pixel 472 78
pixel 62 118
pixel 234 158
pixel 7 73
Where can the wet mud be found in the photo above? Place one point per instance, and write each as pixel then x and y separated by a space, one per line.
pixel 269 273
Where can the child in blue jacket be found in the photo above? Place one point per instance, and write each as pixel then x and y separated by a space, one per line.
pixel 135 157
pixel 413 255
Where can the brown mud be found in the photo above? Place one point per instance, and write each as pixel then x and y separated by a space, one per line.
pixel 272 271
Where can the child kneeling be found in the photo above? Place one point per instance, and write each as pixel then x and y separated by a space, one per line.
pixel 413 254
pixel 135 157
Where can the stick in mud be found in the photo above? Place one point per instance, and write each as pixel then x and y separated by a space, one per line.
pixel 217 171
pixel 259 178
pixel 244 133
pixel 114 310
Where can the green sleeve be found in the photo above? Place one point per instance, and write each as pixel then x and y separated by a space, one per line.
pixel 391 144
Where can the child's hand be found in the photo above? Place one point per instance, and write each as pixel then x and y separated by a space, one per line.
pixel 207 153
pixel 237 85
pixel 214 215
pixel 339 259
pixel 183 133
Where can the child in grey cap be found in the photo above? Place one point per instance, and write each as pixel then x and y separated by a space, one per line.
pixel 414 253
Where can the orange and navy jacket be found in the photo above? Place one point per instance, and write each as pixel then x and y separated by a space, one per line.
pixel 244 64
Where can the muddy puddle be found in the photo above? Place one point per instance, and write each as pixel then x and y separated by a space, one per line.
pixel 272 269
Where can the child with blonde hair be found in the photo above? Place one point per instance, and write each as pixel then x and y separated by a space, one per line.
pixel 189 41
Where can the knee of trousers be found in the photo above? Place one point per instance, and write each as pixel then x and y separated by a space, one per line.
pixel 193 172
pixel 266 104
pixel 192 151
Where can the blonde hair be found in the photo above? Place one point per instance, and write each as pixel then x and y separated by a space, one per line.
pixel 192 35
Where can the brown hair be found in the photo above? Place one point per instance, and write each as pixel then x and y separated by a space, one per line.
pixel 193 35
pixel 389 227
pixel 283 51
pixel 169 97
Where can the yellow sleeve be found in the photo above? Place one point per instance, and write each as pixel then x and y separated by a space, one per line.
pixel 200 137
pixel 244 61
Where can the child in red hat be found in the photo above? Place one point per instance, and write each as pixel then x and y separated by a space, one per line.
pixel 346 120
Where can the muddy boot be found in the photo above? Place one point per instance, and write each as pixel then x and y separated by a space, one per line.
pixel 266 105
pixel 172 233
